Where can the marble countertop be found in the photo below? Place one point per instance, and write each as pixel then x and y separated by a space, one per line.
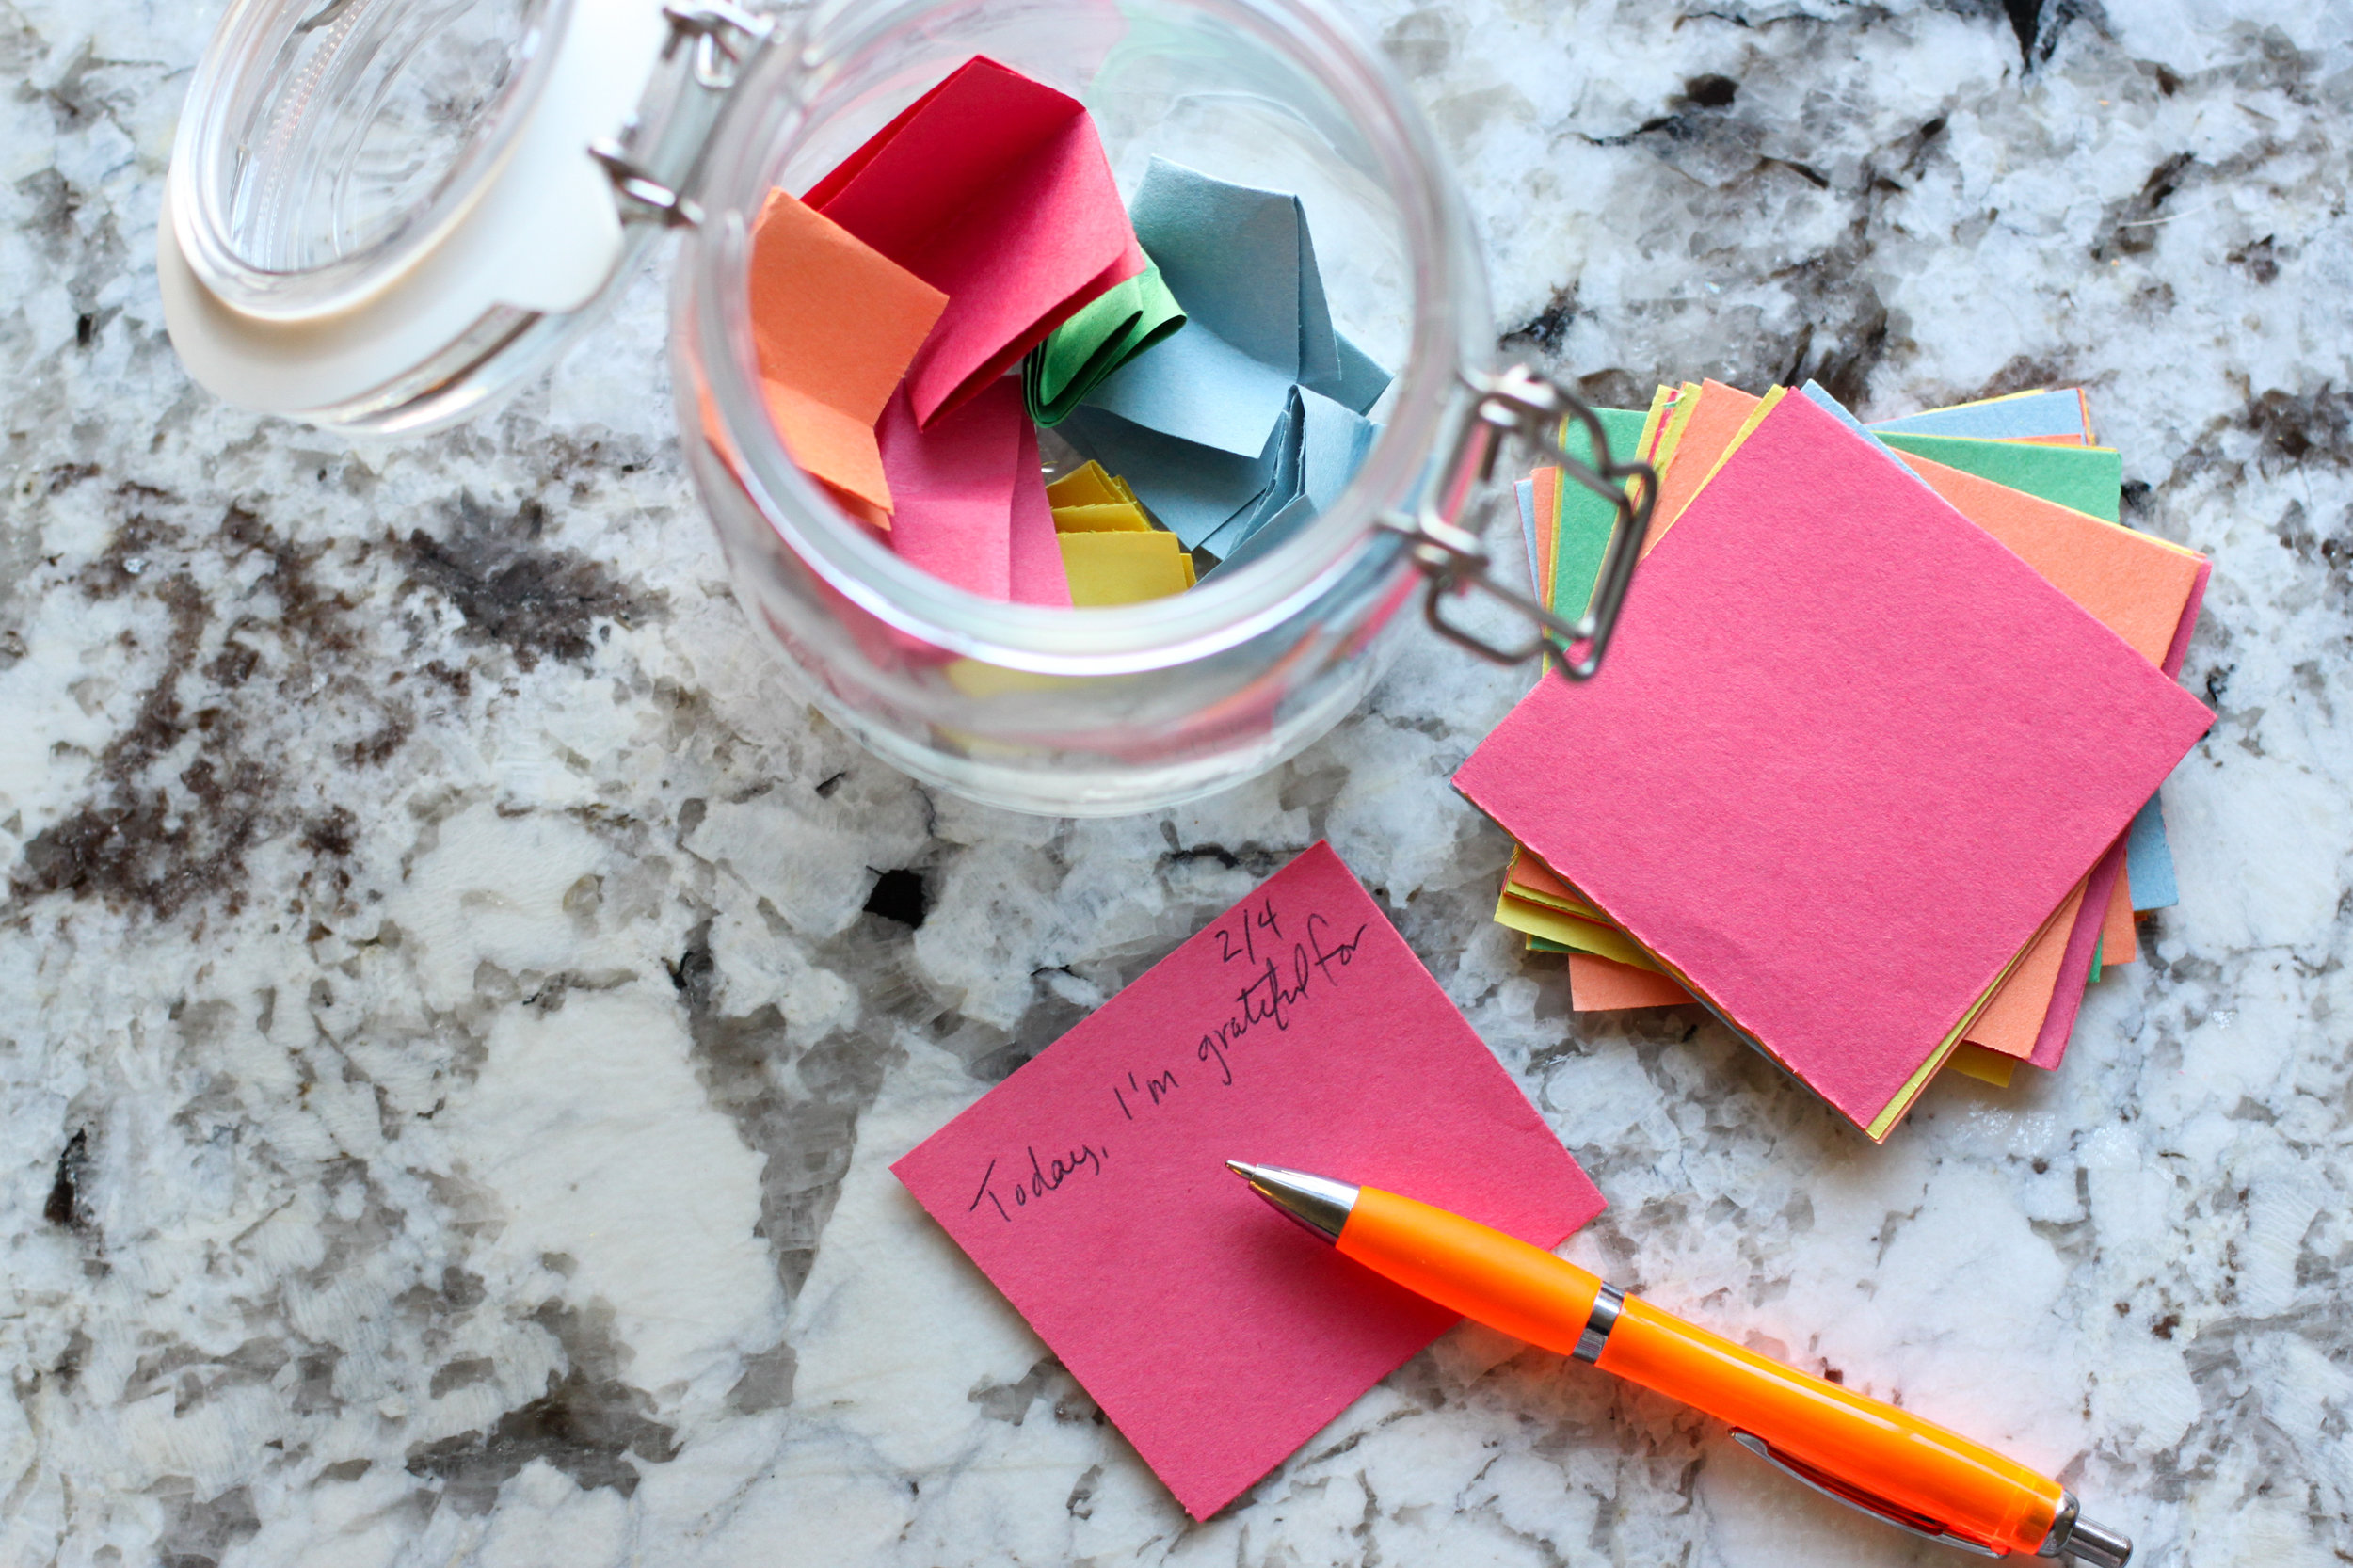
pixel 451 1062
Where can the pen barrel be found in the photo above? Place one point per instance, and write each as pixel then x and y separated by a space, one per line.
pixel 1484 1275
pixel 1871 1447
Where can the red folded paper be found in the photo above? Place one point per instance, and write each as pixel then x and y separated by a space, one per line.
pixel 994 190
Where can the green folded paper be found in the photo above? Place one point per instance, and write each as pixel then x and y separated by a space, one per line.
pixel 1106 333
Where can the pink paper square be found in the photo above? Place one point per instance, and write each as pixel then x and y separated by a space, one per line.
pixel 951 486
pixel 1297 1029
pixel 1038 574
pixel 1837 718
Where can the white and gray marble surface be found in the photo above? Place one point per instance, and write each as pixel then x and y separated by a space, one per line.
pixel 450 1069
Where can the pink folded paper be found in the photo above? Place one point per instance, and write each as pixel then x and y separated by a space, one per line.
pixel 1090 1187
pixel 969 503
pixel 951 487
pixel 994 190
pixel 1037 572
pixel 1866 728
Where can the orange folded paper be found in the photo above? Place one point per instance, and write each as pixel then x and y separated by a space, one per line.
pixel 837 323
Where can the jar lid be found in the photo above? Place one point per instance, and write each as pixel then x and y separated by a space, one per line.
pixel 368 198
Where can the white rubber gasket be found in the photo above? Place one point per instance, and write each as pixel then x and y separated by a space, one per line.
pixel 544 236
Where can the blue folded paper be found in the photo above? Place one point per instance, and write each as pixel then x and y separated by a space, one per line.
pixel 1249 419
pixel 1318 446
pixel 1526 490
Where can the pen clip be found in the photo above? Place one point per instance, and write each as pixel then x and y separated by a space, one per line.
pixel 1854 1497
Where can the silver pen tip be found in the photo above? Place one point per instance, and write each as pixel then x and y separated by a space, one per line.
pixel 1318 1202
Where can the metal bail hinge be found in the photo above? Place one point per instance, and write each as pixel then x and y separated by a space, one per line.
pixel 1518 402
pixel 653 161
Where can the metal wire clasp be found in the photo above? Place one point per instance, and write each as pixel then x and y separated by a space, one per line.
pixel 1518 402
pixel 654 160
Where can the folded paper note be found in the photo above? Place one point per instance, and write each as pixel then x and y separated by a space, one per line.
pixel 1838 712
pixel 1106 566
pixel 1283 526
pixel 1242 425
pixel 1105 334
pixel 1112 516
pixel 1088 485
pixel 1242 264
pixel 835 324
pixel 994 190
pixel 1323 445
pixel 1090 1186
pixel 1193 491
pixel 954 484
pixel 1036 573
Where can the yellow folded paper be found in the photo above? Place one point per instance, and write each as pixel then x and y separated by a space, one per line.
pixel 1086 486
pixel 1114 516
pixel 1118 568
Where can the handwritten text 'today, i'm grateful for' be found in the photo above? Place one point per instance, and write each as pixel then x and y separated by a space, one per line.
pixel 1280 974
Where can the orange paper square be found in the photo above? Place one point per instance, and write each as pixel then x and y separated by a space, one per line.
pixel 837 323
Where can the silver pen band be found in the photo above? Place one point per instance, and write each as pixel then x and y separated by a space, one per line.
pixel 1599 1323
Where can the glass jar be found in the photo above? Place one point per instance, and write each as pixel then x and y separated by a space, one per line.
pixel 382 213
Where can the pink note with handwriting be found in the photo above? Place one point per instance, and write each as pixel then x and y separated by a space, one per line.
pixel 1091 1188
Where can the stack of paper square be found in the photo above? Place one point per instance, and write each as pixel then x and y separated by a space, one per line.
pixel 1870 769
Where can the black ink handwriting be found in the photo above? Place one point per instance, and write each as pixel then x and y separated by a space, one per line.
pixel 1046 1175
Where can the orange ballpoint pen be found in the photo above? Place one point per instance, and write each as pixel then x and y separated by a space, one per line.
pixel 1886 1461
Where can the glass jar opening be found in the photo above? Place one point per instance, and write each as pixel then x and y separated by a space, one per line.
pixel 1275 95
